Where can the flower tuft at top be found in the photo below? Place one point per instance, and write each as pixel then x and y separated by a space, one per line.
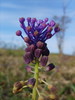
pixel 37 30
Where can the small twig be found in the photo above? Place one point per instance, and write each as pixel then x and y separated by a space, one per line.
pixel 38 91
pixel 45 82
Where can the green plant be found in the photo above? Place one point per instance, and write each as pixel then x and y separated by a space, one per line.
pixel 37 52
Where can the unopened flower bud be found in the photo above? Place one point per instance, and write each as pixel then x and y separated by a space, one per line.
pixel 31 82
pixel 21 20
pixel 50 67
pixel 28 57
pixel 29 19
pixel 28 68
pixel 30 48
pixel 18 86
pixel 18 33
pixel 49 29
pixel 33 20
pixel 49 35
pixel 36 33
pixel 56 29
pixel 28 28
pixel 37 53
pixel 44 46
pixel 40 21
pixel 44 60
pixel 46 19
pixel 26 39
pixel 52 23
pixel 45 52
pixel 40 44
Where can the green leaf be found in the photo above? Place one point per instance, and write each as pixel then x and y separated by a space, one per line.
pixel 73 87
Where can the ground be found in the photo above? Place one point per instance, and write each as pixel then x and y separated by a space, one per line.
pixel 62 78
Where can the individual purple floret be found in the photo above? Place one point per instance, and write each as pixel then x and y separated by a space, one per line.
pixel 52 23
pixel 45 52
pixel 50 67
pixel 44 60
pixel 31 82
pixel 21 20
pixel 37 53
pixel 28 57
pixel 26 39
pixel 18 33
pixel 40 44
pixel 30 48
pixel 56 29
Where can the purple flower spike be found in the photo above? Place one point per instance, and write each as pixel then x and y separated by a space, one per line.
pixel 31 82
pixel 18 33
pixel 28 68
pixel 50 67
pixel 21 20
pixel 52 23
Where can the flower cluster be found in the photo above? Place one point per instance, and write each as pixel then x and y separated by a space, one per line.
pixel 37 31
pixel 37 52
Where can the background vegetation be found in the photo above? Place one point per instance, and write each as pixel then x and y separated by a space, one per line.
pixel 12 69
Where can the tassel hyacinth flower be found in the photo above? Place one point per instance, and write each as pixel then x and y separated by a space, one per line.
pixel 37 31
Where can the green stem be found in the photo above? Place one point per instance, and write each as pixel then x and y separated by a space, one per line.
pixel 36 75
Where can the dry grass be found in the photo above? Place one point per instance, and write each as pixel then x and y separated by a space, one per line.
pixel 12 69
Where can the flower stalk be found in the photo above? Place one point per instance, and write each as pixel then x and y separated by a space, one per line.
pixel 36 76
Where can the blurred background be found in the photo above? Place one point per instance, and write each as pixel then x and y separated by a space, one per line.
pixel 61 46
